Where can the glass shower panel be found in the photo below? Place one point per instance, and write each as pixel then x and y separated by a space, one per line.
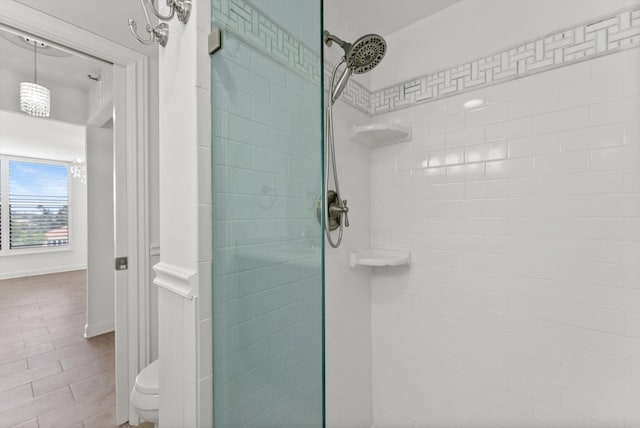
pixel 267 176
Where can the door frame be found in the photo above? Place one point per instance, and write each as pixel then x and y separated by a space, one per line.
pixel 130 109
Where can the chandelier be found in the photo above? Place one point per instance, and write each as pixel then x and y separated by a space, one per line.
pixel 79 170
pixel 35 99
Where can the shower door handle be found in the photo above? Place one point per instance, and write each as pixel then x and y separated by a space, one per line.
pixel 214 41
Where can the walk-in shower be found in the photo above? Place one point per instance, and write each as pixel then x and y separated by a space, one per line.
pixel 490 275
pixel 359 57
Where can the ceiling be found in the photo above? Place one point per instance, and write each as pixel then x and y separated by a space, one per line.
pixel 106 18
pixel 54 65
pixel 353 18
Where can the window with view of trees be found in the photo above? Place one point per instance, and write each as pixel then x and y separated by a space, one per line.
pixel 35 204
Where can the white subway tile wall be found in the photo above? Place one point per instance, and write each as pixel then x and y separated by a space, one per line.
pixel 267 268
pixel 261 31
pixel 348 291
pixel 607 34
pixel 522 305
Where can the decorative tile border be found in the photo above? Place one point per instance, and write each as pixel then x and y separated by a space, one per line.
pixel 259 30
pixel 599 37
pixel 605 35
pixel 356 95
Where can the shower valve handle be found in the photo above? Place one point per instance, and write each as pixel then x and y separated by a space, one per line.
pixel 335 211
pixel 345 211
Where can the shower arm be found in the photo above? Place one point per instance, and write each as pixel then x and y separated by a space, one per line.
pixel 330 38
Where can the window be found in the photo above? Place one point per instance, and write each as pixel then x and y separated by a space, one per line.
pixel 35 204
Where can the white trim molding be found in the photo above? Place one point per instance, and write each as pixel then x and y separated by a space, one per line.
pixel 98 329
pixel 180 281
pixel 44 271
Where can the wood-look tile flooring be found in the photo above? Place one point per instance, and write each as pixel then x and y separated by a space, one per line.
pixel 50 375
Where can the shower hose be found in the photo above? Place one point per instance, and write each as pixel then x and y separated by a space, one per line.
pixel 331 161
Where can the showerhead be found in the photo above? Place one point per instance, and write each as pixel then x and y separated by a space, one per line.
pixel 366 53
pixel 361 56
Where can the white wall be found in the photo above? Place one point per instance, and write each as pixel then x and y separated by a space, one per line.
pixel 100 98
pixel 22 135
pixel 348 291
pixel 185 224
pixel 154 203
pixel 521 306
pixel 100 251
pixel 67 104
pixel 526 255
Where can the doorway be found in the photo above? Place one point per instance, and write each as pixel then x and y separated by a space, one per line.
pixel 130 71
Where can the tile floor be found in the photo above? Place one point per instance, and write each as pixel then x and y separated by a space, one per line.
pixel 50 375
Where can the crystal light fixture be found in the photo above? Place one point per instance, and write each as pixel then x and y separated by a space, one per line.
pixel 79 170
pixel 35 99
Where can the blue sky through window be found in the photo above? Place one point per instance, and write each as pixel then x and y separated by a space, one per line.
pixel 30 179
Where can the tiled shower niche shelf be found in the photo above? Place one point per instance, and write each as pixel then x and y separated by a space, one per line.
pixel 379 257
pixel 381 134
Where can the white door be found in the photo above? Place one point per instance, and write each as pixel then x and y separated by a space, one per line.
pixel 100 267
pixel 126 369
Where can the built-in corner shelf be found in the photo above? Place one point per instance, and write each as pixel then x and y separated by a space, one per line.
pixel 379 257
pixel 381 134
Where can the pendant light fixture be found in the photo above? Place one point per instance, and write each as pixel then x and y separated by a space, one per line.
pixel 35 99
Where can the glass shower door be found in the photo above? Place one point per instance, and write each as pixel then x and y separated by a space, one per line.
pixel 267 177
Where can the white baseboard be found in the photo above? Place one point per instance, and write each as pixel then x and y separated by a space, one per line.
pixel 42 271
pixel 98 329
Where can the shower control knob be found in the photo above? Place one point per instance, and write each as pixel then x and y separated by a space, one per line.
pixel 336 211
pixel 345 210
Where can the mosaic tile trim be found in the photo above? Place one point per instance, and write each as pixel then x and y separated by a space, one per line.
pixel 255 28
pixel 599 37
pixel 605 35
pixel 259 30
pixel 356 95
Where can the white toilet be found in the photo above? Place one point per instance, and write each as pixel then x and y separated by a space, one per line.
pixel 144 396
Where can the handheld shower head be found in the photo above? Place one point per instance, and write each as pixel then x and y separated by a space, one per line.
pixel 361 56
pixel 366 53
